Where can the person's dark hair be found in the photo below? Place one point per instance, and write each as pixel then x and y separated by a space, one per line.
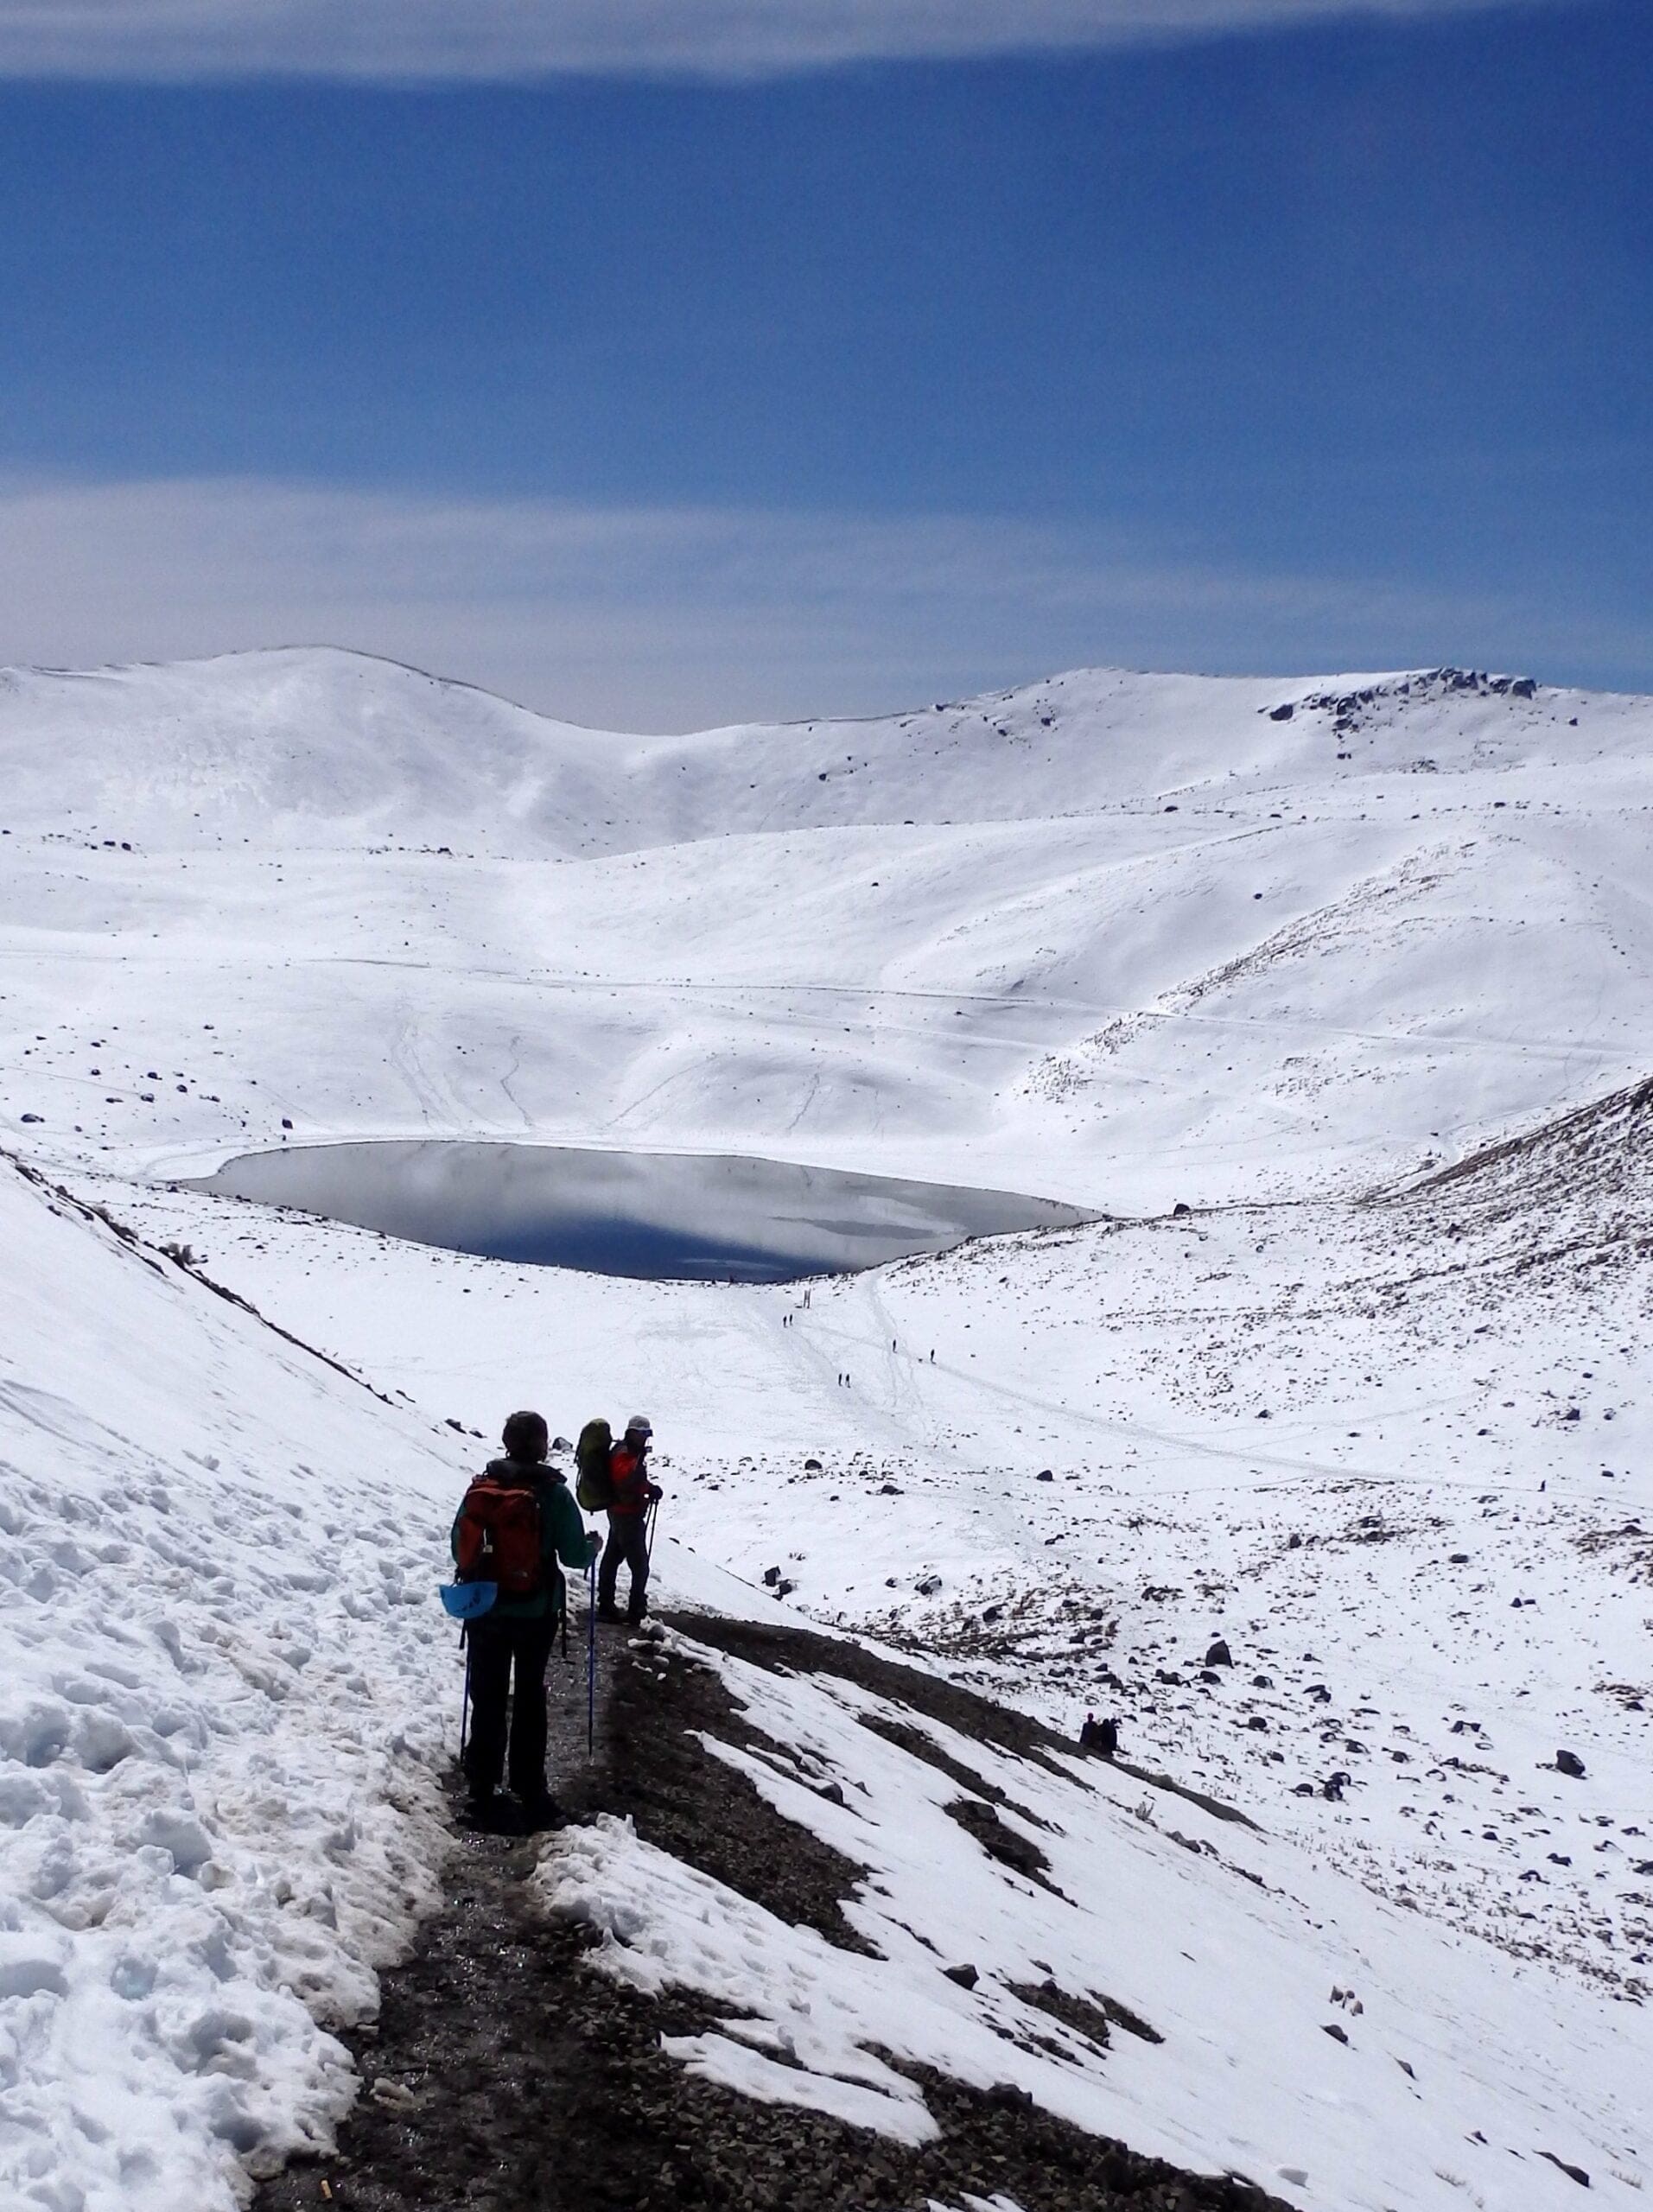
pixel 525 1436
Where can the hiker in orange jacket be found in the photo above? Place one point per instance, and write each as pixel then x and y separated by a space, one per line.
pixel 631 1495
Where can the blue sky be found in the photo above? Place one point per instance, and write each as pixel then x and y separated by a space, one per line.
pixel 665 398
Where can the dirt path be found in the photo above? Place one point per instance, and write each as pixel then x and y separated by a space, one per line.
pixel 503 2077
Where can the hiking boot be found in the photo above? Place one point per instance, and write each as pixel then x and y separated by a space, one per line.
pixel 611 1614
pixel 540 1810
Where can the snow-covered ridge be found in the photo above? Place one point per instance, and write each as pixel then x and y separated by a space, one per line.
pixel 1595 1162
pixel 322 747
pixel 1119 940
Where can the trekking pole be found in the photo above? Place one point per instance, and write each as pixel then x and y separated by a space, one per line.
pixel 648 1528
pixel 591 1658
pixel 465 1702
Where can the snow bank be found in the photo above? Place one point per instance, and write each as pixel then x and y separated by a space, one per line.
pixel 225 1684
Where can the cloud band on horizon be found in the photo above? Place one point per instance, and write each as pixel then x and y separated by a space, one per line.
pixel 661 619
pixel 501 41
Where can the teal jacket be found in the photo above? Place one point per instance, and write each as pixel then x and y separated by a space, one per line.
pixel 561 1536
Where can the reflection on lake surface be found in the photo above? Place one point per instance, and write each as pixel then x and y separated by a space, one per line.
pixel 671 1216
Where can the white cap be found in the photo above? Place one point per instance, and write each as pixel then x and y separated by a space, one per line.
pixel 639 1425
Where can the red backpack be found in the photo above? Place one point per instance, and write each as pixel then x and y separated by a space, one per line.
pixel 498 1539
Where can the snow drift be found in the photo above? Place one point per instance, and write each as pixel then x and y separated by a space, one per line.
pixel 225 1686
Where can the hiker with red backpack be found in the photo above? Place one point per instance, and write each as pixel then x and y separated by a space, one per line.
pixel 516 1521
pixel 614 1480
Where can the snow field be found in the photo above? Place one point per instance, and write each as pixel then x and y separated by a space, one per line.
pixel 225 1688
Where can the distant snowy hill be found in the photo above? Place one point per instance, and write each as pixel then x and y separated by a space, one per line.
pixel 1127 938
pixel 319 747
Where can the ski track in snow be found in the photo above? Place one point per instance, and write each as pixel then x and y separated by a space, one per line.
pixel 970 945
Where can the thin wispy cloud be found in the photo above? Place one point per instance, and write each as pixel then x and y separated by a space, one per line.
pixel 661 619
pixel 503 39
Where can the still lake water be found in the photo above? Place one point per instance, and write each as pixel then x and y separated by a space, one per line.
pixel 670 1217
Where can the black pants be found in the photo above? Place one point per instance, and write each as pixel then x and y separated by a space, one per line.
pixel 626 1542
pixel 496 1647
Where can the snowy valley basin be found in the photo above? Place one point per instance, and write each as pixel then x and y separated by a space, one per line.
pixel 667 1217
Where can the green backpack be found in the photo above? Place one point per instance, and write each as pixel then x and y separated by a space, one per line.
pixel 592 1486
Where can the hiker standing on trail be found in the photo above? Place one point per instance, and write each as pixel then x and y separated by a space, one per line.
pixel 630 1496
pixel 517 1519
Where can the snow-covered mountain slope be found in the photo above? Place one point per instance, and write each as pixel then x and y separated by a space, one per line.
pixel 1122 939
pixel 227 1683
pixel 223 1689
pixel 1133 1960
pixel 287 751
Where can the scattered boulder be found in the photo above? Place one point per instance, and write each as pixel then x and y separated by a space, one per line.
pixel 1338 2035
pixel 1570 1763
pixel 771 1577
pixel 1181 1210
pixel 1572 2173
pixel 812 1467
pixel 1045 1475
pixel 1219 1655
pixel 966 1977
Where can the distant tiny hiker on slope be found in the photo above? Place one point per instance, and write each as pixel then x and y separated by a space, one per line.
pixel 1101 1736
pixel 516 1521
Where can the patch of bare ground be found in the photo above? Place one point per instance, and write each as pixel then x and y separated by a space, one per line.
pixel 1093 2017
